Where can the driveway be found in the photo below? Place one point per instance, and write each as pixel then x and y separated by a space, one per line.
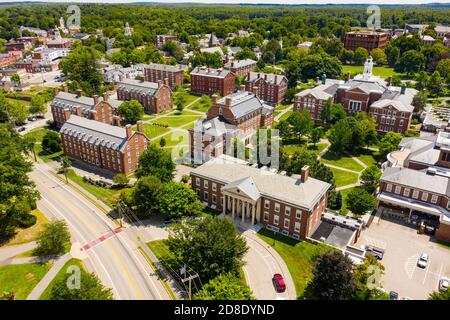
pixel 403 247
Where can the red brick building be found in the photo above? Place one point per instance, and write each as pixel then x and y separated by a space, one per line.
pixel 161 39
pixel 104 146
pixel 18 46
pixel 174 74
pixel 289 205
pixel 155 97
pixel 271 88
pixel 65 104
pixel 7 59
pixel 389 106
pixel 240 67
pixel 237 115
pixel 60 43
pixel 365 39
pixel 210 81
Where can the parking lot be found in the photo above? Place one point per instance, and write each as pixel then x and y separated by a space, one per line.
pixel 403 247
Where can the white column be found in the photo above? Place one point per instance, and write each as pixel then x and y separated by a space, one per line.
pixel 243 211
pixel 247 210
pixel 233 208
pixel 257 210
pixel 253 212
pixel 224 205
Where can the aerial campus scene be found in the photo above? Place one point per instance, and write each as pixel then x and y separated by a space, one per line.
pixel 224 151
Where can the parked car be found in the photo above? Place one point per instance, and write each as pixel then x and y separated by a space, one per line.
pixel 375 251
pixel 21 129
pixel 393 295
pixel 423 260
pixel 32 118
pixel 444 284
pixel 278 282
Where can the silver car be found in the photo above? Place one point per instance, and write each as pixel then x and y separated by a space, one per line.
pixel 423 260
pixel 444 284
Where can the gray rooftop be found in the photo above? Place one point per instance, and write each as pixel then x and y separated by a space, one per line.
pixel 95 132
pixel 417 179
pixel 271 78
pixel 243 103
pixel 166 67
pixel 239 63
pixel 210 72
pixel 142 87
pixel 69 100
pixel 233 171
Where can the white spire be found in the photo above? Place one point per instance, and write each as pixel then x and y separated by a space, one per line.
pixel 368 67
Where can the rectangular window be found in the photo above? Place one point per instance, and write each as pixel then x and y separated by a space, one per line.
pixel 397 189
pixel 297 227
pixel 287 211
pixel 389 187
pixel 276 219
pixel 286 223
pixel 266 204
pixel 434 198
pixel 406 192
pixel 214 186
pixel 197 181
pixel 205 184
pixel 424 196
pixel 205 196
pixel 415 194
pixel 266 216
pixel 277 207
pixel 214 199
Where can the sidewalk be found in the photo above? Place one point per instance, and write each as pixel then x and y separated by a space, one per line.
pixel 50 275
pixel 12 251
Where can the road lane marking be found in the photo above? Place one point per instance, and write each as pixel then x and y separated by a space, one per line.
pixel 101 238
pixel 426 271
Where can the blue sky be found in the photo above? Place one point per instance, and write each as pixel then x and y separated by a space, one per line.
pixel 258 1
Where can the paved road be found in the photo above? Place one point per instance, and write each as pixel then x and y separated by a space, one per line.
pixel 116 260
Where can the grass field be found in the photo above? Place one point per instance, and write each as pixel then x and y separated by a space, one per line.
pixel 203 104
pixel 285 116
pixel 188 98
pixel 106 195
pixel 45 155
pixel 29 234
pixel 343 178
pixel 299 257
pixel 290 149
pixel 153 131
pixel 368 158
pixel 20 279
pixel 175 138
pixel 341 161
pixel 177 121
pixel 383 72
pixel 59 276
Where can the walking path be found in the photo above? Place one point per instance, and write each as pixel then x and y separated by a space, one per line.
pixel 277 118
pixel 49 276
pixel 343 169
pixel 24 260
pixel 12 251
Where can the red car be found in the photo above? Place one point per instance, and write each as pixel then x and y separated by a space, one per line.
pixel 278 282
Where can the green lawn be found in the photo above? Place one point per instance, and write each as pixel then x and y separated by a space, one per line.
pixel 189 98
pixel 177 121
pixel 59 276
pixel 203 104
pixel 22 278
pixel 175 138
pixel 345 162
pixel 299 257
pixel 285 116
pixel 383 72
pixel 282 107
pixel 367 158
pixel 45 155
pixel 106 195
pixel 29 234
pixel 343 178
pixel 153 131
pixel 344 193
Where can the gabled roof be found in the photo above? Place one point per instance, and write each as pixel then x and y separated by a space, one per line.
pixel 70 101
pixel 271 78
pixel 167 67
pixel 142 87
pixel 246 185
pixel 210 72
pixel 243 103
pixel 398 105
pixel 239 63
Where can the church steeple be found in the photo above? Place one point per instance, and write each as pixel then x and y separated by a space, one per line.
pixel 368 67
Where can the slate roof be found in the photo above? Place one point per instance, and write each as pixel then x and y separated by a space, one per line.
pixel 271 78
pixel 243 103
pixel 167 67
pixel 69 100
pixel 142 87
pixel 95 132
pixel 214 127
pixel 210 72
pixel 286 189
pixel 417 179
pixel 239 63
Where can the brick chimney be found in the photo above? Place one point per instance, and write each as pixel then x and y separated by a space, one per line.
pixel 348 77
pixel 259 75
pixel 116 121
pixel 228 101
pixel 389 81
pixel 242 87
pixel 105 97
pixel 140 126
pixel 265 76
pixel 67 114
pixel 95 100
pixel 166 81
pixel 127 75
pixel 93 114
pixel 128 129
pixel 256 90
pixel 214 99
pixel 65 87
pixel 160 83
pixel 304 174
pixel 79 93
pixel 78 111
